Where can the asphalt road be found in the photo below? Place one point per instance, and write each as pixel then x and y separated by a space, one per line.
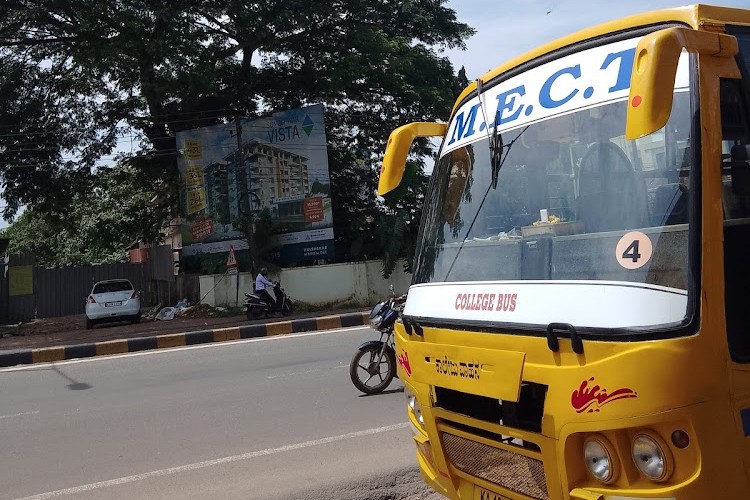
pixel 266 418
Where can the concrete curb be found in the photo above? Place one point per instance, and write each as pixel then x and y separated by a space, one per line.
pixel 87 350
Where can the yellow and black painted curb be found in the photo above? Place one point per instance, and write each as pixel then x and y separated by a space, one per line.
pixel 87 350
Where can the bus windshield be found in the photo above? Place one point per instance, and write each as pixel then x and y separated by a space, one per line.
pixel 559 197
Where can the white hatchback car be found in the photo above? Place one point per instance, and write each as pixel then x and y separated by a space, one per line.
pixel 113 300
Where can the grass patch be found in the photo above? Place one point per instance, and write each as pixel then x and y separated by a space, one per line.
pixel 226 312
pixel 303 307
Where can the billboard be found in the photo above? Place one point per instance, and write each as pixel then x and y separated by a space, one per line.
pixel 281 168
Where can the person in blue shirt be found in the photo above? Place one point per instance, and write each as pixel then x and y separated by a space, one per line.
pixel 263 287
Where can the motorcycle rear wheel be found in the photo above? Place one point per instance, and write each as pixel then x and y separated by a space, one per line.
pixel 251 313
pixel 370 371
pixel 287 308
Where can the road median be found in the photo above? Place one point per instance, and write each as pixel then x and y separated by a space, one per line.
pixel 166 341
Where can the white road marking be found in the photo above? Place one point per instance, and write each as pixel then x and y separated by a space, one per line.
pixel 306 372
pixel 182 348
pixel 20 414
pixel 293 374
pixel 212 463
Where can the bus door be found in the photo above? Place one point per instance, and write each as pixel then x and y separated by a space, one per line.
pixel 735 117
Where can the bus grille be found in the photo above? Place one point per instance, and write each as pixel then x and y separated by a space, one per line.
pixel 513 471
pixel 525 414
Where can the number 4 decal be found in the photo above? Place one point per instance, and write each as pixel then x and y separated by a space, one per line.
pixel 633 250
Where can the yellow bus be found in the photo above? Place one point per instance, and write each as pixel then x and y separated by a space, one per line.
pixel 575 324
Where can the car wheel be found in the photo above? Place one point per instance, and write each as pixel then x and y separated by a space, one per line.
pixel 136 318
pixel 89 323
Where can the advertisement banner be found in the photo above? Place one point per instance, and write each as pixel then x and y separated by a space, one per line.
pixel 313 209
pixel 279 173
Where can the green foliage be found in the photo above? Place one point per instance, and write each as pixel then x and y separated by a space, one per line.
pixel 265 249
pixel 318 187
pixel 76 75
pixel 107 215
pixel 227 312
pixel 400 225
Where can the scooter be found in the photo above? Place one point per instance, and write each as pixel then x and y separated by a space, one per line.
pixel 255 306
pixel 373 366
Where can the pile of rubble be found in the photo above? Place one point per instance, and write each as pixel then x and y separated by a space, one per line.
pixel 181 309
pixel 198 311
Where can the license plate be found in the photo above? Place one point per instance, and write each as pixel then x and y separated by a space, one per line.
pixel 113 304
pixel 482 494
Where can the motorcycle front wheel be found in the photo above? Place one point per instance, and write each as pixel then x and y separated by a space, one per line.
pixel 371 372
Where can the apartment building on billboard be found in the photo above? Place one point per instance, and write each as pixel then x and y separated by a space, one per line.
pixel 217 180
pixel 280 168
pixel 276 176
pixel 277 180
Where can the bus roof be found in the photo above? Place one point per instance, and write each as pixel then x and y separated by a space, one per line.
pixel 696 16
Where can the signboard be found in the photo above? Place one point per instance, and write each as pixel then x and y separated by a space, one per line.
pixel 196 200
pixel 20 280
pixel 202 229
pixel 193 150
pixel 585 79
pixel 231 258
pixel 282 172
pixel 194 176
pixel 313 209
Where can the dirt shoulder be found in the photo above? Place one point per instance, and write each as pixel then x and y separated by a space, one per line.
pixel 68 330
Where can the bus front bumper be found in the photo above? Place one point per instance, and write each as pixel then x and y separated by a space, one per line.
pixel 462 461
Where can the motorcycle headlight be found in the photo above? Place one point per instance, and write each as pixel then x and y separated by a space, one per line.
pixel 376 309
pixel 600 460
pixel 376 322
pixel 652 457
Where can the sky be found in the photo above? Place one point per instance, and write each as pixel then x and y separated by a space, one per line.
pixel 508 28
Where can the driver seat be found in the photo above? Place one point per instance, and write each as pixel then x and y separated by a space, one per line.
pixel 611 196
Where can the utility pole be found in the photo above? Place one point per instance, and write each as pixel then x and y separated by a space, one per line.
pixel 243 201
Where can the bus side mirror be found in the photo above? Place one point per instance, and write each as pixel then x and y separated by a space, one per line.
pixel 654 71
pixel 397 150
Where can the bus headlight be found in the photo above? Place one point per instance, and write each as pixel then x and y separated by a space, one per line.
pixel 413 404
pixel 600 460
pixel 652 457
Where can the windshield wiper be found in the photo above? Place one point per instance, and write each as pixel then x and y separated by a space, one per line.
pixel 496 153
pixel 495 138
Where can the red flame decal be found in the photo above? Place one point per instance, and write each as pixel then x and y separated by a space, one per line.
pixel 590 399
pixel 403 360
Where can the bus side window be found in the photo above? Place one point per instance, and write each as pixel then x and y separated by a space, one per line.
pixel 736 204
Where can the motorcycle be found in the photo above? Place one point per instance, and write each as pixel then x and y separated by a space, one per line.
pixel 255 306
pixel 373 366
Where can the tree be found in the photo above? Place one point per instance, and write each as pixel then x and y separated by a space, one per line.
pixel 101 221
pixel 77 75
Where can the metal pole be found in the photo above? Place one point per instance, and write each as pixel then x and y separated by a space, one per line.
pixel 242 194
